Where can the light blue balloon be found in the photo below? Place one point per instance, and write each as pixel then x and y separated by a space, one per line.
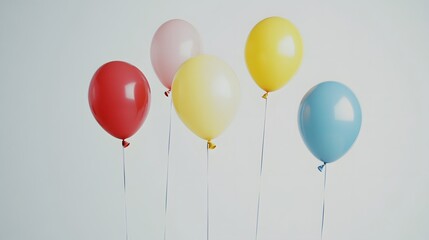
pixel 329 120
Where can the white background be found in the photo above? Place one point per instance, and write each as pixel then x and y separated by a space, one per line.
pixel 61 174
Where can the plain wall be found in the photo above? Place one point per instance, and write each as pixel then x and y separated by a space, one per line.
pixel 61 174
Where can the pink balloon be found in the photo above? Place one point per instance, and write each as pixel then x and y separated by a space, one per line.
pixel 174 42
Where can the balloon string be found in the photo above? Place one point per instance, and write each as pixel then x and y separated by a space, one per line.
pixel 323 205
pixel 167 177
pixel 261 168
pixel 208 207
pixel 125 194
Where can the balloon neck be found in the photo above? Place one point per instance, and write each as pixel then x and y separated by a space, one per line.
pixel 210 145
pixel 321 167
pixel 125 144
pixel 167 93
pixel 265 96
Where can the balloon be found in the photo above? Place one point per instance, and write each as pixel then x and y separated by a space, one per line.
pixel 206 93
pixel 329 120
pixel 173 43
pixel 119 97
pixel 273 52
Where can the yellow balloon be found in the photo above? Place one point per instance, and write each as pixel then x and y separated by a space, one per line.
pixel 205 94
pixel 273 52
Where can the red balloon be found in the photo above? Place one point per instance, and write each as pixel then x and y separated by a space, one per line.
pixel 119 97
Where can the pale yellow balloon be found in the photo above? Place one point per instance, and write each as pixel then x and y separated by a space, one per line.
pixel 273 52
pixel 206 94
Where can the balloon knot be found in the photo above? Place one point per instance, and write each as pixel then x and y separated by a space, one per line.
pixel 321 167
pixel 265 96
pixel 167 93
pixel 210 145
pixel 125 144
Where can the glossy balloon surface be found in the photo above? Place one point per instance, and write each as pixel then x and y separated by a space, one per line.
pixel 119 98
pixel 173 43
pixel 206 93
pixel 329 120
pixel 273 52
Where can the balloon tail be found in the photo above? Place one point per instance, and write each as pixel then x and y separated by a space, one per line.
pixel 167 93
pixel 320 168
pixel 125 193
pixel 265 96
pixel 167 177
pixel 210 145
pixel 125 144
pixel 323 205
pixel 207 189
pixel 261 166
